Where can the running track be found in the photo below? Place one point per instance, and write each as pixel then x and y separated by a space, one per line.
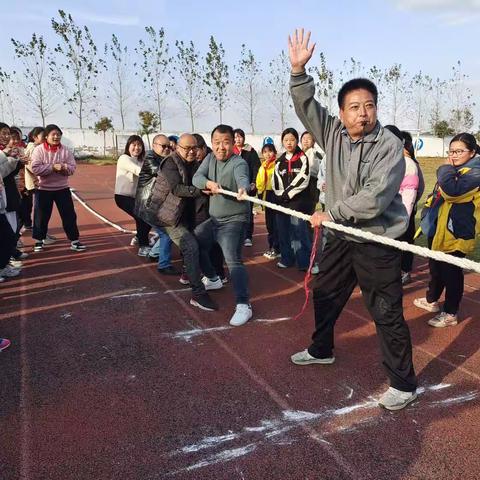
pixel 112 375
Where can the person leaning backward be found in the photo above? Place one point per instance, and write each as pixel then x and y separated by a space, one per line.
pixel 364 170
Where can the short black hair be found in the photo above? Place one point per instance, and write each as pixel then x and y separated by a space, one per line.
pixel 357 84
pixel 51 128
pixel 34 133
pixel 133 139
pixel 468 139
pixel 4 125
pixel 200 140
pixel 292 131
pixel 224 129
pixel 269 146
pixel 240 132
pixel 306 132
pixel 395 130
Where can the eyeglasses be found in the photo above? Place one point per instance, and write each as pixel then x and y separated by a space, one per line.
pixel 188 149
pixel 456 153
pixel 163 145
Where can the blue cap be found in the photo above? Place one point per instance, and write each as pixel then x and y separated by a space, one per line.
pixel 268 141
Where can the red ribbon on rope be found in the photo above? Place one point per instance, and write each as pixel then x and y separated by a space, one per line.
pixel 308 275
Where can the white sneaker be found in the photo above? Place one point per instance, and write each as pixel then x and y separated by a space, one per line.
pixel 143 251
pixel 243 313
pixel 49 239
pixel 9 272
pixel 15 263
pixel 429 307
pixel 20 244
pixel 134 241
pixel 282 265
pixel 315 270
pixel 443 319
pixel 212 284
pixel 406 278
pixel 394 399
pixel 248 242
pixel 153 239
pixel 304 358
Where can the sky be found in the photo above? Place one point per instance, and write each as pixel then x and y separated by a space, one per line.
pixel 427 35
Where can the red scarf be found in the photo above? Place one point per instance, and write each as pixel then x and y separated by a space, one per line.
pixel 51 148
pixel 292 160
pixel 236 150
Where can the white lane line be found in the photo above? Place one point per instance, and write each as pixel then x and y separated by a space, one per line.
pixel 178 290
pixel 129 295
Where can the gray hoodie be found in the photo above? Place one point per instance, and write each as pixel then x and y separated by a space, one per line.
pixel 231 174
pixel 368 199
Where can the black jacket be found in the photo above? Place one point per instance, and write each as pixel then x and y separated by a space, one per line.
pixel 253 162
pixel 11 190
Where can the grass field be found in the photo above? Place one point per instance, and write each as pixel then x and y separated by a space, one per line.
pixel 429 168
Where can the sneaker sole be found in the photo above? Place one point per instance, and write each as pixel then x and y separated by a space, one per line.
pixel 201 307
pixel 438 325
pixel 184 282
pixel 319 361
pixel 78 249
pixel 208 288
pixel 233 324
pixel 427 309
pixel 399 407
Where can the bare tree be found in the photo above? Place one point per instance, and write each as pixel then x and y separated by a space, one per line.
pixel 7 95
pixel 461 100
pixel 120 83
pixel 190 87
pixel 217 75
pixel 421 86
pixel 35 58
pixel 248 84
pixel 437 99
pixel 155 64
pixel 325 84
pixel 279 83
pixel 395 89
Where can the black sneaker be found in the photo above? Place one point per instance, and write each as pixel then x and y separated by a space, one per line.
pixel 204 302
pixel 38 247
pixel 168 271
pixel 77 246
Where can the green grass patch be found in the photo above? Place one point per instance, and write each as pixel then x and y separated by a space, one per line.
pixel 99 161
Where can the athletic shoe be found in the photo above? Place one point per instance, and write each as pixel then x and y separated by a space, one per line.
pixel 429 307
pixel 9 272
pixel 204 302
pixel 143 251
pixel 394 399
pixel 248 242
pixel 20 244
pixel 2 279
pixel 443 319
pixel 134 241
pixel 49 239
pixel 77 246
pixel 304 358
pixel 243 313
pixel 20 255
pixel 15 263
pixel 315 270
pixel 184 279
pixel 4 343
pixel 282 265
pixel 153 239
pixel 224 280
pixel 406 278
pixel 38 247
pixel 270 254
pixel 210 284
pixel 168 271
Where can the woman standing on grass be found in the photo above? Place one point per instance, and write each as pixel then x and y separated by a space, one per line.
pixel 451 223
pixel 53 163
pixel 128 169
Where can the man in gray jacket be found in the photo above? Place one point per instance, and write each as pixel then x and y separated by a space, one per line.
pixel 229 217
pixel 364 169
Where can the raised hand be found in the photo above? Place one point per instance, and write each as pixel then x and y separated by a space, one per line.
pixel 299 50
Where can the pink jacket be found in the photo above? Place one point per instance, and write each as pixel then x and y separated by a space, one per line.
pixel 42 160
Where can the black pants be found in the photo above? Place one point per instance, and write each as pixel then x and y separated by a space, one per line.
pixel 444 276
pixel 26 205
pixel 44 200
pixel 7 241
pixel 407 257
pixel 127 204
pixel 271 223
pixel 250 224
pixel 376 268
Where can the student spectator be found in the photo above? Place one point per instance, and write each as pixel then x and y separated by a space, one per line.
pixel 314 159
pixel 265 191
pixel 129 165
pixel 451 224
pixel 53 163
pixel 290 183
pixel 248 153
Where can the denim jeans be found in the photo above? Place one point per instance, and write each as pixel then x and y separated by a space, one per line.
pixel 162 249
pixel 188 246
pixel 295 241
pixel 230 236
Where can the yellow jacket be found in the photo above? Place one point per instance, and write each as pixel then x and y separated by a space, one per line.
pixel 264 177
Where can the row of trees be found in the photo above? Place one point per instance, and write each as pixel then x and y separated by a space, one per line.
pixel 95 81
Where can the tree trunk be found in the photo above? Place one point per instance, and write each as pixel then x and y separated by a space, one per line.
pixel 104 142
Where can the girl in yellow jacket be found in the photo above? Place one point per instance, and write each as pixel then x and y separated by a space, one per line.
pixel 265 192
pixel 451 224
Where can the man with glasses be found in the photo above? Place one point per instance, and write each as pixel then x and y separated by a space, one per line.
pixel 178 169
pixel 161 250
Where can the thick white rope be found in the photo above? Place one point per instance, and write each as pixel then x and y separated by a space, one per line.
pixel 464 263
pixel 101 217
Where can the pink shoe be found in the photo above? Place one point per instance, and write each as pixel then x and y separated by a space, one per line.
pixel 4 343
